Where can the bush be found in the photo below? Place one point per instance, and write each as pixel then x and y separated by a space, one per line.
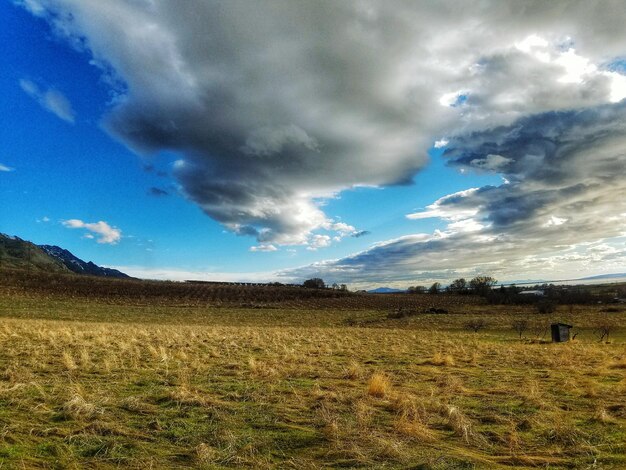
pixel 435 288
pixel 546 306
pixel 314 283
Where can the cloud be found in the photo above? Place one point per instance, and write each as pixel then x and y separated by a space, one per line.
pixel 105 233
pixel 319 241
pixel 5 168
pixel 284 104
pixel 361 233
pixel 50 99
pixel 263 247
pixel 173 274
pixel 157 192
pixel 566 193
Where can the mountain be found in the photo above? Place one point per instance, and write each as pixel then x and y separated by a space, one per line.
pixel 77 265
pixel 21 254
pixel 385 290
pixel 604 276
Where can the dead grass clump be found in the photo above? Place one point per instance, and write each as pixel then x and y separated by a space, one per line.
pixel 261 369
pixel 135 404
pixel 185 394
pixel 565 433
pixel 206 454
pixel 68 361
pixel 379 385
pixel 414 429
pixel 330 423
pixel 440 359
pixel 459 423
pixel 85 359
pixel 363 413
pixel 387 449
pixel 77 407
pixel 602 415
pixel 353 371
pixel 450 384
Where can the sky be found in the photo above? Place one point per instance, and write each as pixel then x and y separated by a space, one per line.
pixel 365 142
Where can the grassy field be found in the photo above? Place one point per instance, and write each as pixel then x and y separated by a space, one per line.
pixel 180 377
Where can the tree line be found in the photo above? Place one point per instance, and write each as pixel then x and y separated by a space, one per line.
pixel 480 285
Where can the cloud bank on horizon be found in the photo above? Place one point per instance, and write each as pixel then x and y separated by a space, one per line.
pixel 276 105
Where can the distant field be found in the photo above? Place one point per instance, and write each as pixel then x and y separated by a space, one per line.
pixel 107 374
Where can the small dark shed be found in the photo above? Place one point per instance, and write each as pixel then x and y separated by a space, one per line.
pixel 560 332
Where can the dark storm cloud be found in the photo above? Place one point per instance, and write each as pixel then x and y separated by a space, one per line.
pixel 566 190
pixel 276 104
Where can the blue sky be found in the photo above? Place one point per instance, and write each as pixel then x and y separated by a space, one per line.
pixel 91 134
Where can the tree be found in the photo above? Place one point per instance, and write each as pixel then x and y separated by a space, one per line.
pixel 482 285
pixel 603 330
pixel 435 288
pixel 520 326
pixel 314 283
pixel 458 285
pixel 416 290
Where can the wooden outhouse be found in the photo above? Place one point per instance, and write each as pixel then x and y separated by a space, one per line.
pixel 560 332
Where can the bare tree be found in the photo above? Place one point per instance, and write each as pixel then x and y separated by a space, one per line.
pixel 539 331
pixel 482 285
pixel 520 327
pixel 603 330
pixel 458 285
pixel 435 288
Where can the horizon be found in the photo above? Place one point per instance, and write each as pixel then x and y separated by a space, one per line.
pixel 365 144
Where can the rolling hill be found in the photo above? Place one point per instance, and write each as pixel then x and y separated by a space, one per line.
pixel 16 253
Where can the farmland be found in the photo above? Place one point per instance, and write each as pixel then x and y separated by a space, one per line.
pixel 102 373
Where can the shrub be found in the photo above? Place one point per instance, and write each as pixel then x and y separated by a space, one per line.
pixel 520 327
pixel 546 306
pixel 314 283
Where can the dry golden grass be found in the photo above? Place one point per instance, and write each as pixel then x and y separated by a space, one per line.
pixel 235 389
pixel 379 385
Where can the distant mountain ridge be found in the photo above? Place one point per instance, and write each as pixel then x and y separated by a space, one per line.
pixel 21 254
pixel 77 265
pixel 604 276
pixel 385 290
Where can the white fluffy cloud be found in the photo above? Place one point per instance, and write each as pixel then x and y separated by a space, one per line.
pixel 102 230
pixel 50 99
pixel 265 247
pixel 5 168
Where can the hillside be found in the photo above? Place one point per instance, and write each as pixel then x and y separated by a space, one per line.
pixel 77 265
pixel 16 253
pixel 21 254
